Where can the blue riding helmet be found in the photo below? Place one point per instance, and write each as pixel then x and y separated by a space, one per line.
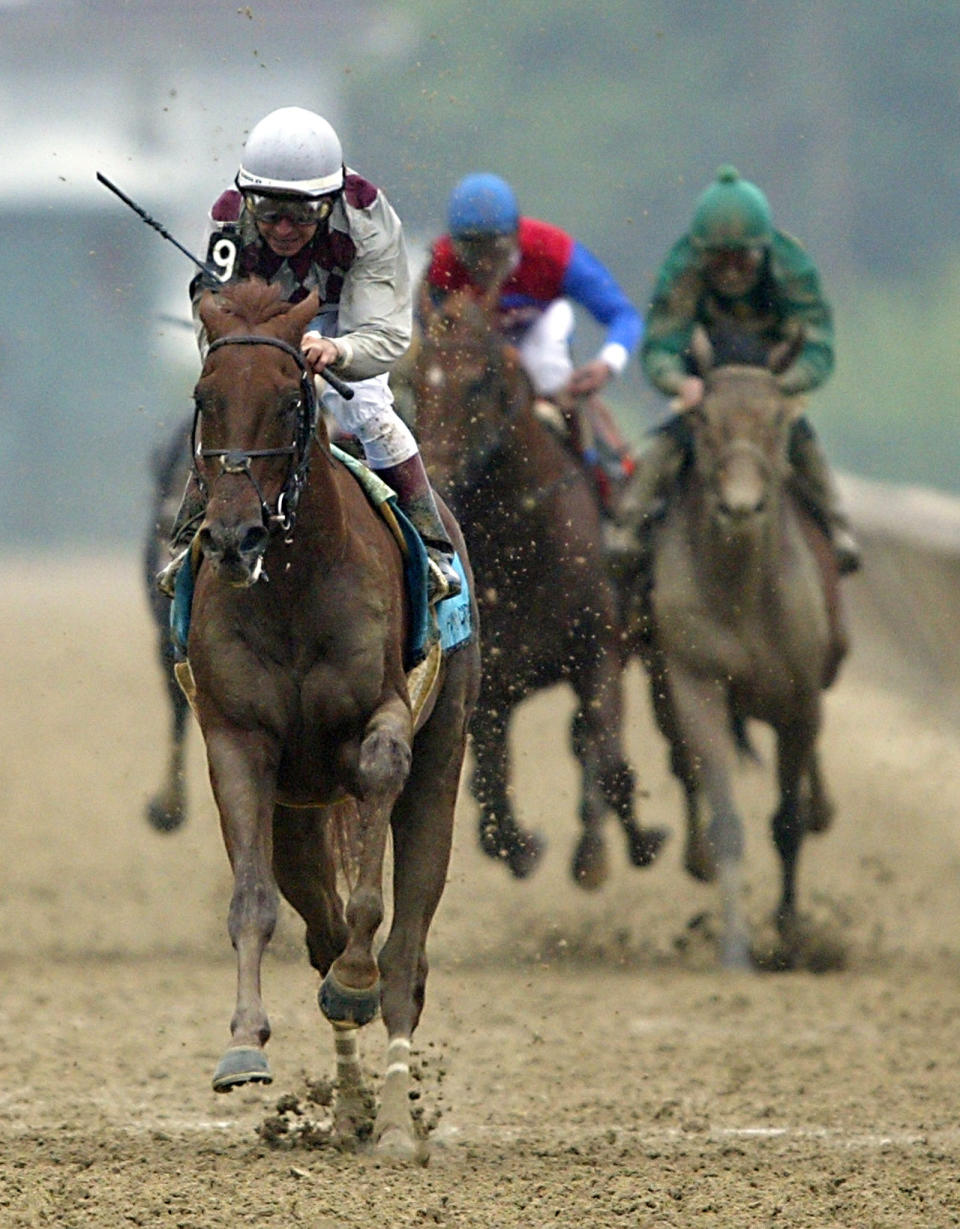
pixel 482 204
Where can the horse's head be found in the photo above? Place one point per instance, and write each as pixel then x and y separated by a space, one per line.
pixel 255 412
pixel 741 435
pixel 467 386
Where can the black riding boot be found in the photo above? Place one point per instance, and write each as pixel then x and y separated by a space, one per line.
pixel 185 525
pixel 415 497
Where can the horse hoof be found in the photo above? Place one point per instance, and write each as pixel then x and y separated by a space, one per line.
pixel 644 845
pixel 346 1006
pixel 241 1065
pixel 524 857
pixel 590 868
pixel 398 1145
pixel 521 851
pixel 699 865
pixel 164 817
pixel 735 954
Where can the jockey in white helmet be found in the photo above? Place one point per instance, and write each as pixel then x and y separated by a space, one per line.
pixel 298 218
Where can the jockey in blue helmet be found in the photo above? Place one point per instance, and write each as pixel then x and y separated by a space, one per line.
pixel 541 271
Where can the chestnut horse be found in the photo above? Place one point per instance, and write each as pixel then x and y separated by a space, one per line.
pixel 548 606
pixel 744 622
pixel 307 712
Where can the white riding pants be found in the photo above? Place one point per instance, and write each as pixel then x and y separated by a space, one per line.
pixel 369 414
pixel 545 349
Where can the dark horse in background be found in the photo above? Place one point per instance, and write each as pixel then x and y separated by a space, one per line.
pixel 319 745
pixel 170 465
pixel 743 621
pixel 548 605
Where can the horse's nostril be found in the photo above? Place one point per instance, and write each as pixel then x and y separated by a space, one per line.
pixel 254 540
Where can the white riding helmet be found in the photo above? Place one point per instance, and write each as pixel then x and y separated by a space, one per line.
pixel 291 152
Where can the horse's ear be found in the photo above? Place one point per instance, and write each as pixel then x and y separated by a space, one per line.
pixel 785 352
pixel 302 313
pixel 701 350
pixel 210 311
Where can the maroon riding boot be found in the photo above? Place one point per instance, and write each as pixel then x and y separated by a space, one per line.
pixel 415 497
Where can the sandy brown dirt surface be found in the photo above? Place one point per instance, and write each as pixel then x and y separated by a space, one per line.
pixel 583 1060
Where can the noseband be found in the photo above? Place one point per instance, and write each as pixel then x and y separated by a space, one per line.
pixel 237 461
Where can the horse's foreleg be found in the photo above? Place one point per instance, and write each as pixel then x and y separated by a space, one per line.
pixel 819 804
pixel 702 715
pixel 350 993
pixel 795 755
pixel 607 779
pixel 308 846
pixel 501 836
pixel 240 765
pixel 697 857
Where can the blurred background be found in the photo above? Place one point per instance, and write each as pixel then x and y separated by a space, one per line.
pixel 608 118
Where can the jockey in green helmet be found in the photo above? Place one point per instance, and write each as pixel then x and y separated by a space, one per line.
pixel 745 282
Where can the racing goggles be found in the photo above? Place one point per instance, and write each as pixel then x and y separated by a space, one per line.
pixel 481 250
pixel 298 209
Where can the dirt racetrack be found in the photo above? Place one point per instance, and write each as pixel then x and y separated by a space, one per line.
pixel 583 1060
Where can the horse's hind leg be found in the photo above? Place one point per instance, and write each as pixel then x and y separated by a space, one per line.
pixel 166 810
pixel 501 836
pixel 239 765
pixel 794 754
pixel 422 834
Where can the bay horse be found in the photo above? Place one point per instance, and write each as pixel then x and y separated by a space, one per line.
pixel 548 605
pixel 317 751
pixel 170 465
pixel 743 621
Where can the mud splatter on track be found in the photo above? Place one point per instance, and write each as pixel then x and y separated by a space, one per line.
pixel 582 1060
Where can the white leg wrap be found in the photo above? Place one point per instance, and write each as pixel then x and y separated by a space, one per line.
pixel 398 1056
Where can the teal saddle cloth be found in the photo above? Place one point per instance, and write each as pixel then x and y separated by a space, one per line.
pixel 450 620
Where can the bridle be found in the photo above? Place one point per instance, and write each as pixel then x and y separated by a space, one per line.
pixel 237 461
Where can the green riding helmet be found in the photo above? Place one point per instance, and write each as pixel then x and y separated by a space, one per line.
pixel 731 213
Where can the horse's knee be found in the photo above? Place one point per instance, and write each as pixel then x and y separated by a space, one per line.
pixel 384 765
pixel 253 908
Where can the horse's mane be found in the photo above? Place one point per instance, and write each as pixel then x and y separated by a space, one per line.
pixel 248 303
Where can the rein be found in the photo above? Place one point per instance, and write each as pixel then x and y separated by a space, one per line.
pixel 237 461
